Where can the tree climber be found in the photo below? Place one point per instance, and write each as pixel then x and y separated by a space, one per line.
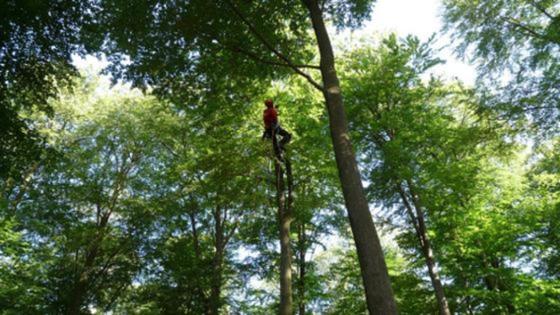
pixel 270 118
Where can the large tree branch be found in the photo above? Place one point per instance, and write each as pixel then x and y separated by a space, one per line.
pixel 108 263
pixel 265 42
pixel 122 176
pixel 255 57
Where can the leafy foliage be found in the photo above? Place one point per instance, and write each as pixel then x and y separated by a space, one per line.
pixel 162 201
pixel 37 40
pixel 521 43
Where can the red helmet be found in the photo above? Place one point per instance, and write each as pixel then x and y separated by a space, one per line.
pixel 268 103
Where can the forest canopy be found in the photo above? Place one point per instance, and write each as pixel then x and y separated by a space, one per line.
pixel 136 175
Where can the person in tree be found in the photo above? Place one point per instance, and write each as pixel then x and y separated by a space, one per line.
pixel 270 118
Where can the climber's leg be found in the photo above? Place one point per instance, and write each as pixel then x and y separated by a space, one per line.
pixel 276 146
pixel 267 134
pixel 286 136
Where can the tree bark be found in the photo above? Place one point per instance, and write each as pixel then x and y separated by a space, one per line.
pixel 302 270
pixel 83 278
pixel 79 291
pixel 194 232
pixel 219 245
pixel 284 220
pixel 493 282
pixel 75 301
pixel 379 295
pixel 426 248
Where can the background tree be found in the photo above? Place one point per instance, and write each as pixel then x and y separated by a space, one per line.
pixel 37 40
pixel 431 156
pixel 517 52
pixel 86 204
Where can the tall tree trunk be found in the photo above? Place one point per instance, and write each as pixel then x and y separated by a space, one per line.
pixel 301 264
pixel 200 295
pixel 502 287
pixel 284 220
pixel 493 282
pixel 217 262
pixel 421 232
pixel 76 298
pixel 83 280
pixel 194 232
pixel 79 291
pixel 379 295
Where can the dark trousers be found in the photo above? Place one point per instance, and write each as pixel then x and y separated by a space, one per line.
pixel 286 136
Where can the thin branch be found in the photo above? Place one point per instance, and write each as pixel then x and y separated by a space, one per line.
pixel 108 263
pixel 231 233
pixel 543 10
pixel 272 49
pixel 527 29
pixel 120 181
pixel 170 149
pixel 410 213
pixel 115 296
pixel 532 108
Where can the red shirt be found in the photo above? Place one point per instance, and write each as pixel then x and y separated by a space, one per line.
pixel 270 116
